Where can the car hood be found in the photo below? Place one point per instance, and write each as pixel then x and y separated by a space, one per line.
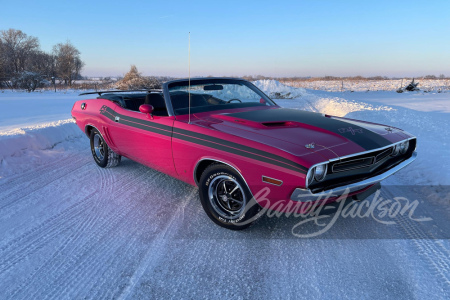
pixel 301 132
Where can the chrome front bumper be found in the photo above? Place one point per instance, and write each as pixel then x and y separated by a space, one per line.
pixel 305 195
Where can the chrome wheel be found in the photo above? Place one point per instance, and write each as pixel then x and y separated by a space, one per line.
pixel 227 197
pixel 99 147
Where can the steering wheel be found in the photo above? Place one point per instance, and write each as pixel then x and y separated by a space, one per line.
pixel 229 101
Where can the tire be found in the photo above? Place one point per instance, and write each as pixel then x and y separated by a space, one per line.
pixel 226 198
pixel 103 155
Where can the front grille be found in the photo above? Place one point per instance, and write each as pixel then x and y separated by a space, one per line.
pixel 360 161
pixel 383 154
pixel 352 164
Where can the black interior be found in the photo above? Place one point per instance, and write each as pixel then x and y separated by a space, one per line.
pixel 118 99
pixel 134 101
pixel 180 100
pixel 157 101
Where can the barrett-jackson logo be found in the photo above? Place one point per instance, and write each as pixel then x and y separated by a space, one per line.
pixel 350 129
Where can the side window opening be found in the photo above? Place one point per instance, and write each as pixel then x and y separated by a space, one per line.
pixel 134 101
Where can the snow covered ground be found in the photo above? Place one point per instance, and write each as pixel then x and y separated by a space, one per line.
pixel 69 229
pixel 22 109
pixel 426 85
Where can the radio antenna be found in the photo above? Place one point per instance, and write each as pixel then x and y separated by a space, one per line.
pixel 189 88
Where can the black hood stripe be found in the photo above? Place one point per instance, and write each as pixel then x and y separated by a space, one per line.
pixel 361 136
pixel 204 140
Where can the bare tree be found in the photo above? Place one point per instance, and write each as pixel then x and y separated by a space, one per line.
pixel 28 81
pixel 42 63
pixel 17 47
pixel 3 74
pixel 68 62
pixel 23 64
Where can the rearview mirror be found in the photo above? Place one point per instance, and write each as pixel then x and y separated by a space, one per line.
pixel 214 87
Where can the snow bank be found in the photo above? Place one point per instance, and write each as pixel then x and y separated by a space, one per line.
pixel 19 147
pixel 21 109
pixel 276 90
pixel 341 107
pixel 329 105
pixel 39 137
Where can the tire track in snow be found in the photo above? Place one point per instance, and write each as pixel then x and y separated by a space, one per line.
pixel 30 174
pixel 73 273
pixel 33 200
pixel 156 249
pixel 14 191
pixel 133 254
pixel 430 249
pixel 66 275
pixel 39 207
pixel 69 272
pixel 98 236
pixel 41 234
pixel 100 262
pixel 77 233
pixel 38 237
pixel 85 223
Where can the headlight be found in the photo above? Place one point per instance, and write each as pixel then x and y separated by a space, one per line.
pixel 400 148
pixel 396 150
pixel 320 171
pixel 310 176
pixel 403 147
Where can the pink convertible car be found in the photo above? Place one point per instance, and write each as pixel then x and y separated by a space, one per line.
pixel 240 148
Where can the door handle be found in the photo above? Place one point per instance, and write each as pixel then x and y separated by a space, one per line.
pixel 117 119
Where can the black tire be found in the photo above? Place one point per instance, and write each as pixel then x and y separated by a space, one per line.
pixel 226 198
pixel 103 155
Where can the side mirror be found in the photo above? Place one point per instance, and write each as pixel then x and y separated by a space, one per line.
pixel 146 109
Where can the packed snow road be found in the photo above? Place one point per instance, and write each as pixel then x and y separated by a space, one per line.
pixel 71 230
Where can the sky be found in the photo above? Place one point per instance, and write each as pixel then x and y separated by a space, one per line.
pixel 236 38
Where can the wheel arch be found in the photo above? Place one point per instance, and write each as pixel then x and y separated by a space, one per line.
pixel 205 162
pixel 88 129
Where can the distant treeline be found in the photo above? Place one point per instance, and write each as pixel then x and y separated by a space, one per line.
pixel 24 65
pixel 334 78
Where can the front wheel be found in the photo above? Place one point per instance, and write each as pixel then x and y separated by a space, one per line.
pixel 103 155
pixel 226 198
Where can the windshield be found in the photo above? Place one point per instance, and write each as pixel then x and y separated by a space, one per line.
pixel 210 95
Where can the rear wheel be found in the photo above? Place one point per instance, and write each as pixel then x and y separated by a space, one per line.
pixel 103 155
pixel 226 198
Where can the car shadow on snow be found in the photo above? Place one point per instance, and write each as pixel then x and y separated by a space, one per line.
pixel 172 205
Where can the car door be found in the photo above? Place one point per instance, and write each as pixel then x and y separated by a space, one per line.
pixel 144 138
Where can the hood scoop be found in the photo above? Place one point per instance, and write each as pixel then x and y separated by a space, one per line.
pixel 278 124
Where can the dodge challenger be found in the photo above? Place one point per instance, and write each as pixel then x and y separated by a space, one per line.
pixel 227 137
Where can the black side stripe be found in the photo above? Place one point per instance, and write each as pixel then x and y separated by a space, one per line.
pixel 239 146
pixel 145 127
pixel 205 140
pixel 237 152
